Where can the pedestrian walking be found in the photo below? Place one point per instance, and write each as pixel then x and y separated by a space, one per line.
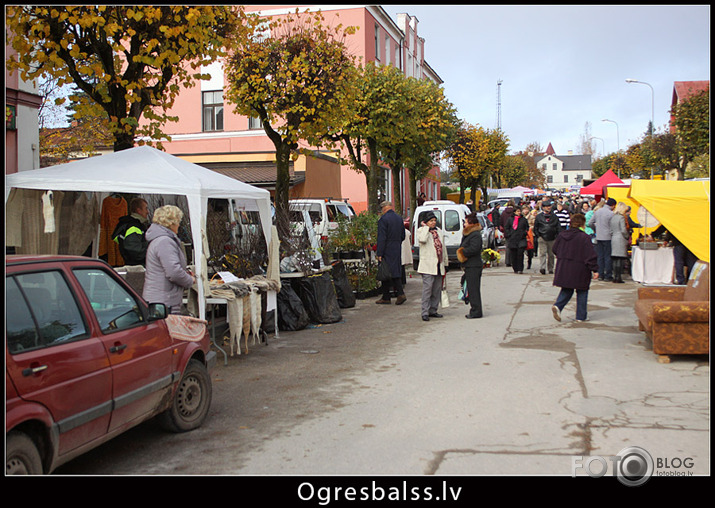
pixel 601 223
pixel 166 274
pixel 576 260
pixel 546 228
pixel 432 265
pixel 531 241
pixel 390 234
pixel 516 233
pixel 469 255
pixel 620 240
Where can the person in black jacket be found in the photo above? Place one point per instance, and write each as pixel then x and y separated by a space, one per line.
pixel 390 234
pixel 546 228
pixel 469 254
pixel 130 233
pixel 515 233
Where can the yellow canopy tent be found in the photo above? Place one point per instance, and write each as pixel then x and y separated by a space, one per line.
pixel 682 207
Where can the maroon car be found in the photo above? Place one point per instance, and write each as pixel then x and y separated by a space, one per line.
pixel 86 359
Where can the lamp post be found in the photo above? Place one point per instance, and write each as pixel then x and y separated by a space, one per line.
pixel 652 109
pixel 603 144
pixel 618 141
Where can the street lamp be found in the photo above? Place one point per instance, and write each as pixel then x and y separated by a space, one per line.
pixel 618 141
pixel 652 109
pixel 602 143
pixel 652 102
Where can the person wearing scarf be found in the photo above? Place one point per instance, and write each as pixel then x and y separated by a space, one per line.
pixel 432 265
pixel 516 240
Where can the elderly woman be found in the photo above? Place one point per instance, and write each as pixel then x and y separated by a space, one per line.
pixel 620 239
pixel 432 265
pixel 166 275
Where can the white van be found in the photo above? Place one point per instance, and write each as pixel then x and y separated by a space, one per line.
pixel 450 218
pixel 322 211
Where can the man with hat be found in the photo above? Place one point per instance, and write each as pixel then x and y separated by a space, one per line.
pixel 390 234
pixel 546 228
pixel 600 222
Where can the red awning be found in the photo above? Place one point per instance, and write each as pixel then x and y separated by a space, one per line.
pixel 596 188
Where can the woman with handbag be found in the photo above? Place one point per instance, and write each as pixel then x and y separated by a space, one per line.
pixel 432 265
pixel 469 254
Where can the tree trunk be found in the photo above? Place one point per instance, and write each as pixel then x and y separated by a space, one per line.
pixel 123 141
pixel 397 201
pixel 282 194
pixel 373 179
pixel 413 196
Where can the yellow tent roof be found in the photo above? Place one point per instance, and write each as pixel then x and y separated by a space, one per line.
pixel 620 193
pixel 683 207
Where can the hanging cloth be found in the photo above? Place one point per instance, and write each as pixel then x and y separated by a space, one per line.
pixel 113 208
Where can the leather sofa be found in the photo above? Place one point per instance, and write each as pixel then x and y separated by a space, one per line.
pixel 677 318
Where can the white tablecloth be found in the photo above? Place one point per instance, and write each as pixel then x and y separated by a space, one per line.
pixel 652 266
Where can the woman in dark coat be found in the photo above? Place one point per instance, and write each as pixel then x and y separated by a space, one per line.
pixel 469 254
pixel 515 233
pixel 576 259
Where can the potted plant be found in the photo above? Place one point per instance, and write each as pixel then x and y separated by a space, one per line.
pixel 489 257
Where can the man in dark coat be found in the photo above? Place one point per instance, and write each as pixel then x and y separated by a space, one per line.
pixel 576 260
pixel 546 229
pixel 390 234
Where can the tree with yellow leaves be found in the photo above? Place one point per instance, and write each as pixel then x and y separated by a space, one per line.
pixel 291 74
pixel 131 61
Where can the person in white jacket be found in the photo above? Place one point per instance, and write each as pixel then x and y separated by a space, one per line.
pixel 166 274
pixel 432 265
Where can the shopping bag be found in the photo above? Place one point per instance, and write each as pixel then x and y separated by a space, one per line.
pixel 383 272
pixel 444 297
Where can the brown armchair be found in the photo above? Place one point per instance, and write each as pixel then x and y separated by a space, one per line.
pixel 677 318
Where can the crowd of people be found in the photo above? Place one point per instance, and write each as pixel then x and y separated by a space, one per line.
pixel 590 239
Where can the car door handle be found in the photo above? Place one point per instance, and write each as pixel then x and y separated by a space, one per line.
pixel 33 370
pixel 118 348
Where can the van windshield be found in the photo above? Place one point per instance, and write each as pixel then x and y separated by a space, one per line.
pixel 336 210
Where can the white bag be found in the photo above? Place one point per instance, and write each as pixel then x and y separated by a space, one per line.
pixel 444 299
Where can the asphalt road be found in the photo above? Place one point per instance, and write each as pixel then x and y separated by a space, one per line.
pixel 383 393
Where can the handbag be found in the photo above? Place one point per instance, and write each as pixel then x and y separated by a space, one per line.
pixel 444 297
pixel 383 272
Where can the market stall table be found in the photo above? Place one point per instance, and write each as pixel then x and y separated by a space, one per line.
pixel 652 266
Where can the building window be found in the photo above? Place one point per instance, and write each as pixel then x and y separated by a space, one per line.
pixel 377 42
pixel 566 178
pixel 212 104
pixel 549 179
pixel 387 50
pixel 543 166
pixel 554 167
pixel 254 123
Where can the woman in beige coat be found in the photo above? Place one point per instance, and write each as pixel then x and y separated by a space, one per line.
pixel 432 265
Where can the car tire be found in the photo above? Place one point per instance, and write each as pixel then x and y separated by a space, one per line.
pixel 191 401
pixel 22 456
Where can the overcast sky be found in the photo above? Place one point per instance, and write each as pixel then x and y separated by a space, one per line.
pixel 564 65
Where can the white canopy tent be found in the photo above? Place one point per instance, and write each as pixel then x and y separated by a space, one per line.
pixel 146 170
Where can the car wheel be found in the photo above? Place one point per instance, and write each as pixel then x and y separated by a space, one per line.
pixel 191 401
pixel 22 456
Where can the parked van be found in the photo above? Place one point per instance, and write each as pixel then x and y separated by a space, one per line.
pixel 450 218
pixel 323 212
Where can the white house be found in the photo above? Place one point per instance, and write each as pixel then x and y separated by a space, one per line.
pixel 564 172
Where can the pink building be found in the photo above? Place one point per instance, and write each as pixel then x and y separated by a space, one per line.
pixel 208 132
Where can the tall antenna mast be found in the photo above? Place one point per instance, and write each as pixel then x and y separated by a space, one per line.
pixel 499 82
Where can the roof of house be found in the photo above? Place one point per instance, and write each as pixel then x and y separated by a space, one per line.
pixel 550 150
pixel 684 89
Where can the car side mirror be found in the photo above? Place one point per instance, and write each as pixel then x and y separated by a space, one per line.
pixel 157 311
